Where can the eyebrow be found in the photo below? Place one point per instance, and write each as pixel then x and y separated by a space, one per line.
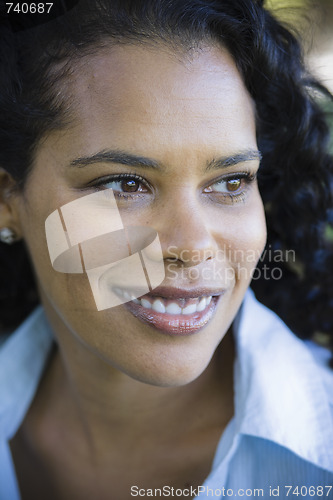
pixel 114 156
pixel 131 160
pixel 229 161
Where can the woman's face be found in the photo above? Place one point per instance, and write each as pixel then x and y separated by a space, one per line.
pixel 192 118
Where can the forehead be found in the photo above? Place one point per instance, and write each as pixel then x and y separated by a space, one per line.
pixel 133 93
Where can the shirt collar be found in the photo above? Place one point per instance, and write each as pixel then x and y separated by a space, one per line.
pixel 22 360
pixel 279 393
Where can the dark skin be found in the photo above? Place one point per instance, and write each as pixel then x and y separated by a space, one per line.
pixel 120 403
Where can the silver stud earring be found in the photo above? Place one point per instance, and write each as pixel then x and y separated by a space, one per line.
pixel 8 236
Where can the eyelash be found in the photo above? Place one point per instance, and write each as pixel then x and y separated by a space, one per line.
pixel 247 177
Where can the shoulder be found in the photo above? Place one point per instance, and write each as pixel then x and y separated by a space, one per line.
pixel 284 386
pixel 321 356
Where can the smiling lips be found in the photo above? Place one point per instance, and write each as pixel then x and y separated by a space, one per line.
pixel 173 311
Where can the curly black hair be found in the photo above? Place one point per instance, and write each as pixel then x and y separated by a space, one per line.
pixel 296 172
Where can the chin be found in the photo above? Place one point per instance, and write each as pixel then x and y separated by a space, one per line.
pixel 169 372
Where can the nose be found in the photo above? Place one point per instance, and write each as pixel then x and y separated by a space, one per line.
pixel 186 236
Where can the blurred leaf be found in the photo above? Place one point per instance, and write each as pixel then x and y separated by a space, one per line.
pixel 329 233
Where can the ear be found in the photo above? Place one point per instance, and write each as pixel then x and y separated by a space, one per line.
pixel 8 197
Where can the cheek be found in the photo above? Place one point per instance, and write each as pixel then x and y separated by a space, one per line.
pixel 243 237
pixel 251 244
pixel 65 291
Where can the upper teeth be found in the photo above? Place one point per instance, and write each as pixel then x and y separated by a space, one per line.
pixel 159 304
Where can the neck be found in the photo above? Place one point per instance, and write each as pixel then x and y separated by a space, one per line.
pixel 107 402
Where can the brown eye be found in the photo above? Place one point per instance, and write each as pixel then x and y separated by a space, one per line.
pixel 130 185
pixel 225 186
pixel 126 185
pixel 232 189
pixel 233 184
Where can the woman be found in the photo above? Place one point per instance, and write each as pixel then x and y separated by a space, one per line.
pixel 134 125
